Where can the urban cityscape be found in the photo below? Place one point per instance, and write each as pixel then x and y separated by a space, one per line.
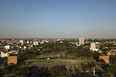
pixel 63 57
pixel 57 38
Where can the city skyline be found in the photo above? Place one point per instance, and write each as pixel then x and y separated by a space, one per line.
pixel 57 19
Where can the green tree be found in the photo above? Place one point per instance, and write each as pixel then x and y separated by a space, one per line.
pixel 24 71
pixel 69 73
pixel 84 67
pixel 24 63
pixel 102 61
pixel 112 69
pixel 105 74
pixel 96 55
pixel 57 71
pixel 5 64
pixel 92 65
pixel 105 52
pixel 1 73
pixel 113 58
pixel 77 71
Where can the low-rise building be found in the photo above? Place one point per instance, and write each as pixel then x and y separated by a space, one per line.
pixel 95 49
pixel 35 43
pixel 97 44
pixel 21 41
pixel 27 42
pixel 111 52
pixel 12 59
pixel 4 54
pixel 7 47
pixel 61 41
pixel 42 42
pixel 13 52
pixel 24 47
pixel 100 51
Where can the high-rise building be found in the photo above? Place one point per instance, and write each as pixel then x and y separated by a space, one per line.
pixel 81 41
pixel 93 47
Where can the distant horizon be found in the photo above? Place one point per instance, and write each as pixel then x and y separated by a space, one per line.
pixel 58 18
pixel 56 38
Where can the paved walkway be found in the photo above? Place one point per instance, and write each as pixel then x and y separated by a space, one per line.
pixel 53 64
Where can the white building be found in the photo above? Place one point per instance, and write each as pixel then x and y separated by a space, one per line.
pixel 54 41
pixel 21 41
pixel 81 41
pixel 30 42
pixel 95 49
pixel 76 43
pixel 24 47
pixel 61 41
pixel 3 54
pixel 42 42
pixel 7 47
pixel 97 43
pixel 46 41
pixel 35 43
pixel 27 42
pixel 31 46
pixel 20 47
pixel 92 47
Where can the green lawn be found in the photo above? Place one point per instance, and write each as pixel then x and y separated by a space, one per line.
pixel 45 55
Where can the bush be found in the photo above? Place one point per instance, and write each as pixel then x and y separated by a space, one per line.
pixel 73 57
pixel 5 64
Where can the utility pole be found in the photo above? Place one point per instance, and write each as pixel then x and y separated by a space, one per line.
pixel 93 71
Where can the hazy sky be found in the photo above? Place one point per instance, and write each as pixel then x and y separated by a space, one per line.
pixel 57 18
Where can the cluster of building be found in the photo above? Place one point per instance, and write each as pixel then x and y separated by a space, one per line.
pixel 10 48
pixel 24 44
pixel 95 47
pixel 81 42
